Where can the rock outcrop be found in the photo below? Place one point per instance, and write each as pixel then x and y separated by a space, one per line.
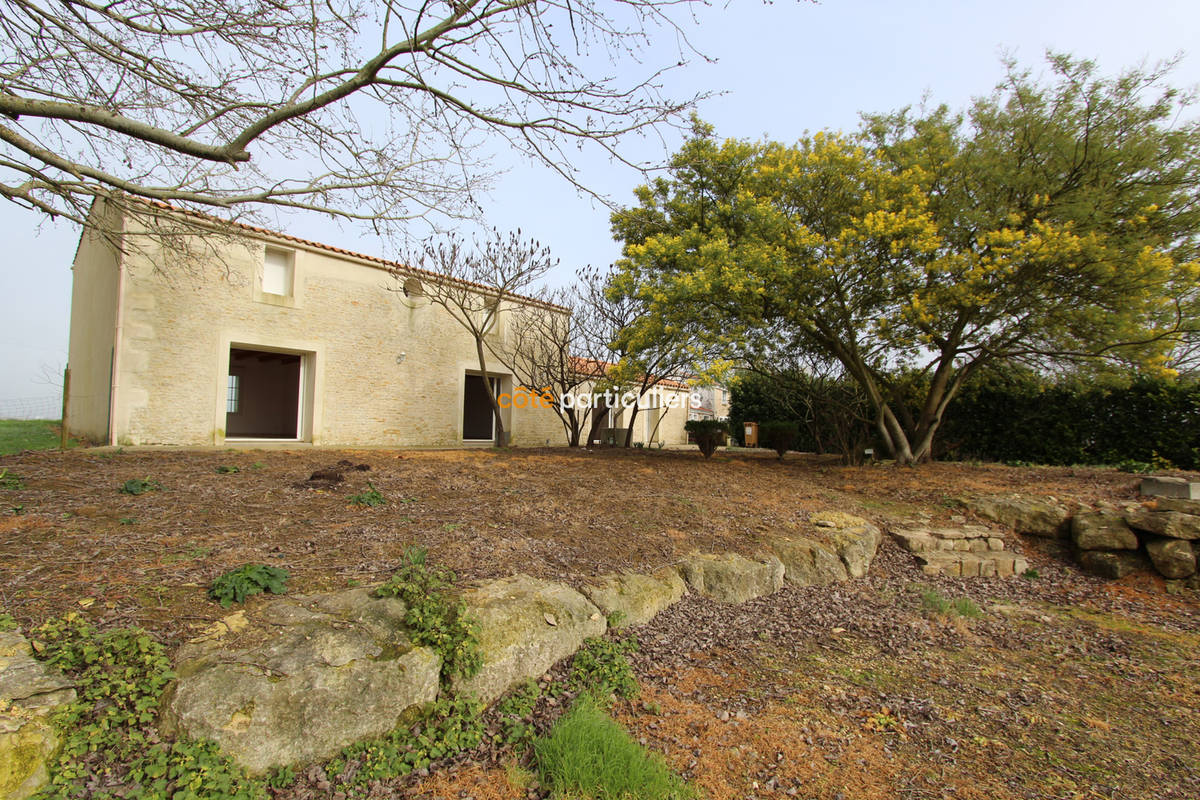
pixel 1032 516
pixel 526 625
pixel 1102 530
pixel 306 678
pixel 731 578
pixel 807 562
pixel 30 693
pixel 635 599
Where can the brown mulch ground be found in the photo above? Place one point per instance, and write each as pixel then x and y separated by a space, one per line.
pixel 1065 687
pixel 70 534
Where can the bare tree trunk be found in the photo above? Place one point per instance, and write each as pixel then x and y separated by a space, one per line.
pixel 500 439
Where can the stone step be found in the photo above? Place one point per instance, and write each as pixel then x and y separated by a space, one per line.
pixel 972 565
pixel 1171 487
pixel 928 540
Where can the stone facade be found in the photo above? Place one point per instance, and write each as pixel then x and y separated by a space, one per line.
pixel 153 329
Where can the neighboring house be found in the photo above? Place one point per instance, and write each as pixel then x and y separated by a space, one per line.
pixel 661 414
pixel 261 336
pixel 714 403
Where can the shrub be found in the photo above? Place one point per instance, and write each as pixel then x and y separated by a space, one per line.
pixel 434 618
pixel 779 436
pixel 587 755
pixel 136 486
pixel 708 433
pixel 368 498
pixel 238 584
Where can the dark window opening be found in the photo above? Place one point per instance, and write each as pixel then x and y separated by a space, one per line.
pixel 264 395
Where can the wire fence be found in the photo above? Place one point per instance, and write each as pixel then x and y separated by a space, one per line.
pixel 31 408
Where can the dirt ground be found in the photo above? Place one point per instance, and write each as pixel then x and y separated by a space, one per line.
pixel 1064 687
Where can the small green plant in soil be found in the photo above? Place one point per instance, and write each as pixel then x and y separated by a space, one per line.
pixel 933 601
pixel 136 486
pixel 110 747
pixel 966 607
pixel 588 756
pixel 602 668
pixel 1135 466
pixel 7 623
pixel 128 520
pixel 238 584
pixel 227 469
pixel 1031 574
pixel 448 727
pixel 434 617
pixel 514 711
pixel 10 481
pixel 367 498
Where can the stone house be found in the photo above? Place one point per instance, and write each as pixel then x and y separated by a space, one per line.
pixel 248 335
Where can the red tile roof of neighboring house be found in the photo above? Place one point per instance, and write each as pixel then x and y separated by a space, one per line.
pixel 382 262
pixel 596 367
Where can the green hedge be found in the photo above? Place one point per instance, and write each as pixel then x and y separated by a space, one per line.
pixel 1017 416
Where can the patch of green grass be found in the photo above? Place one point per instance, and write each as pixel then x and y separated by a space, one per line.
pixel 588 756
pixel 932 600
pixel 965 607
pixel 17 435
pixel 228 469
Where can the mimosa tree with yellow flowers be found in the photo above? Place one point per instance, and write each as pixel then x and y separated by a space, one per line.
pixel 1055 222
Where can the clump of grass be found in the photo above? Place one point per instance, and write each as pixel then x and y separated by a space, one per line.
pixel 587 755
pixel 965 607
pixel 10 481
pixel 228 469
pixel 934 602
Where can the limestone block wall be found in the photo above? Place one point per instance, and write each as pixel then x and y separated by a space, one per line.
pixel 379 368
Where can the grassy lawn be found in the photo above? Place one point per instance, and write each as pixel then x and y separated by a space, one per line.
pixel 27 434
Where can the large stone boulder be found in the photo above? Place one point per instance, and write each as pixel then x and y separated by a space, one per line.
pixel 731 578
pixel 636 599
pixel 856 547
pixel 1173 558
pixel 1029 515
pixel 808 563
pixel 1102 530
pixel 1109 563
pixel 30 693
pixel 1175 504
pixel 307 677
pixel 1171 524
pixel 855 540
pixel 526 625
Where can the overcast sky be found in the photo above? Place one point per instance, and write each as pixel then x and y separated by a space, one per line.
pixel 784 69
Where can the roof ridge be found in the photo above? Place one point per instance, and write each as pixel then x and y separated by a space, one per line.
pixel 339 250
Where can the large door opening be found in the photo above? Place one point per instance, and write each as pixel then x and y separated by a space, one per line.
pixel 264 395
pixel 479 421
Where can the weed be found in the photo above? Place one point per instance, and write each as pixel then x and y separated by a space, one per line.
pixel 226 469
pixel 17 510
pixel 257 465
pixel 589 756
pixel 367 498
pixel 514 711
pixel 108 738
pixel 136 486
pixel 883 722
pixel 933 601
pixel 128 520
pixel 601 666
pixel 1031 574
pixel 450 527
pixel 966 607
pixel 9 481
pixel 1134 466
pixel 433 617
pixel 449 726
pixel 7 623
pixel 615 619
pixel 238 584
pixel 282 777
